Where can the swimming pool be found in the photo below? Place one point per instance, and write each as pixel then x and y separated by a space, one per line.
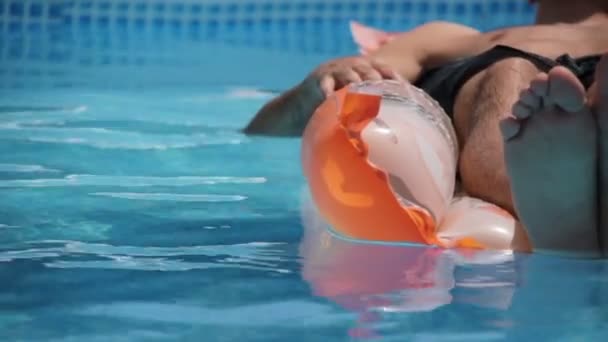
pixel 132 209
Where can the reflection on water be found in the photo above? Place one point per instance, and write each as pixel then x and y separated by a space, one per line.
pixel 387 285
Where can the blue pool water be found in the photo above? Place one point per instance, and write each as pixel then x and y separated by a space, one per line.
pixel 133 209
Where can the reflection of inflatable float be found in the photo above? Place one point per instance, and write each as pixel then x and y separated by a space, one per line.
pixel 380 159
pixel 371 279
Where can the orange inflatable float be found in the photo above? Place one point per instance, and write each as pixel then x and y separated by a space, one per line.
pixel 380 158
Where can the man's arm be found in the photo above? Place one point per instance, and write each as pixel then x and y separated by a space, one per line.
pixel 404 57
pixel 427 46
pixel 288 113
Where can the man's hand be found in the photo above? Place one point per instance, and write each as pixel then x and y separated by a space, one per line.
pixel 337 73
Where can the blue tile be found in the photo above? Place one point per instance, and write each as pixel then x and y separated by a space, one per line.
pixel 194 24
pixel 442 8
pixel 530 9
pixel 300 22
pixel 34 55
pixel 122 21
pixel 354 7
pixel 158 22
pixel 231 24
pixel 250 7
pixel 213 24
pixel 84 20
pixel 371 6
pixel 160 7
pixel 55 56
pixel 337 7
pixel 34 72
pixel 336 22
pixel 284 7
pixel 86 4
pixel 35 10
pixel 248 23
pixel 386 22
pixel 302 6
pixel 423 8
pixel 477 9
pixel 178 8
pixel 56 10
pixel 103 21
pixel 267 7
pixel 389 7
pixel 122 7
pixel 141 7
pixel 460 9
pixel 320 7
pixel 196 8
pixel 104 6
pixel 211 32
pixel 283 24
pixel 16 9
pixel 266 24
pixel 214 9
pixel 232 9
pixel 140 23
pixel 406 6
pixel 175 24
pixel 86 61
pixel 511 7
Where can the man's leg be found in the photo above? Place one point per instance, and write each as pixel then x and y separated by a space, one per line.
pixel 545 172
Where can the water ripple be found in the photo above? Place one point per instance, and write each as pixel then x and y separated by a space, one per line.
pixel 24 168
pixel 284 314
pixel 264 256
pixel 146 196
pixel 114 139
pixel 127 181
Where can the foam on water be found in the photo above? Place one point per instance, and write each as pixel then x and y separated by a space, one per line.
pixel 144 196
pixel 113 139
pixel 126 181
pixel 25 168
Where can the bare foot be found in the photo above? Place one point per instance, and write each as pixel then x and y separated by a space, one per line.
pixel 550 152
pixel 598 97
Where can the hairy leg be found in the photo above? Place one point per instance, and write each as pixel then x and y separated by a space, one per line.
pixel 482 167
pixel 527 174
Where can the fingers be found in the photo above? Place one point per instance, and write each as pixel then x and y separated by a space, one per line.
pixel 327 85
pixel 386 72
pixel 367 72
pixel 339 74
pixel 345 76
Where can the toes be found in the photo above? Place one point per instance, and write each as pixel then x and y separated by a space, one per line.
pixel 565 89
pixel 527 104
pixel 528 98
pixel 540 85
pixel 521 110
pixel 509 128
